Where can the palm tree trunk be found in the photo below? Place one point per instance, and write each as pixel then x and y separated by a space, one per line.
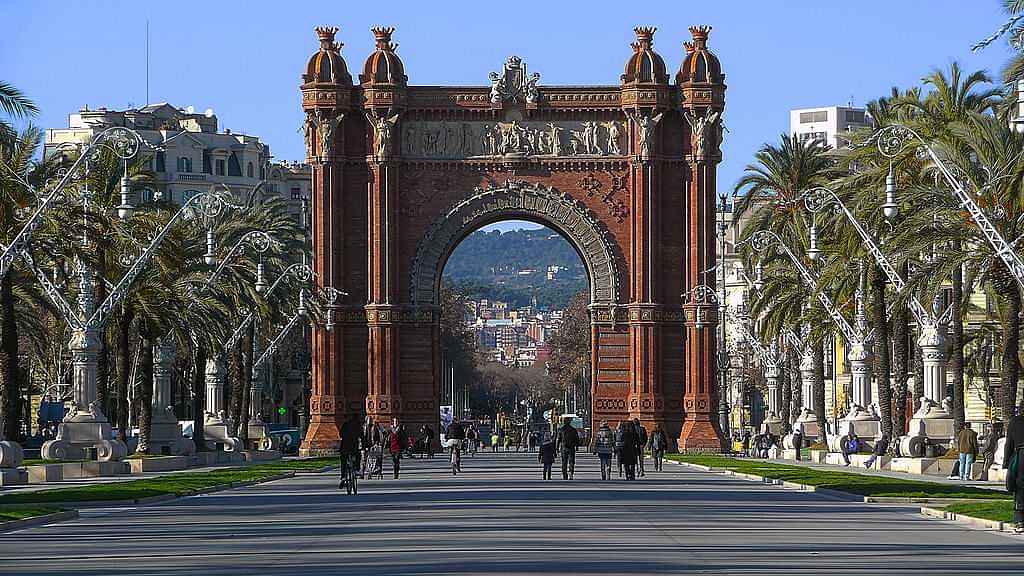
pixel 787 388
pixel 1010 370
pixel 199 396
pixel 145 395
pixel 900 354
pixel 102 359
pixel 247 361
pixel 883 359
pixel 124 370
pixel 11 374
pixel 956 347
pixel 235 372
pixel 819 388
pixel 798 385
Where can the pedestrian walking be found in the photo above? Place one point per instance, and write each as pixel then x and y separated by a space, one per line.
pixel 428 439
pixel 373 441
pixel 1013 462
pixel 798 441
pixel 494 442
pixel 398 442
pixel 967 442
pixel 350 445
pixel 658 445
pixel 604 446
pixel 879 449
pixel 988 448
pixel 568 441
pixel 641 445
pixel 620 441
pixel 627 454
pixel 546 455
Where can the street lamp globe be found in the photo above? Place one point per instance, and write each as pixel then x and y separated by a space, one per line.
pixel 211 243
pixel 890 209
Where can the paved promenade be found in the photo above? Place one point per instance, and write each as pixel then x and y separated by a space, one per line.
pixel 499 518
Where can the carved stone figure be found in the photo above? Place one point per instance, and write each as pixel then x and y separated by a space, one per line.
pixel 532 95
pixel 513 84
pixel 645 124
pixel 307 134
pixel 326 125
pixel 468 148
pixel 383 126
pixel 704 130
pixel 614 135
pixel 555 132
pixel 409 140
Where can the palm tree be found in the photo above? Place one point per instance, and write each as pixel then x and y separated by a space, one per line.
pixel 771 188
pixel 16 106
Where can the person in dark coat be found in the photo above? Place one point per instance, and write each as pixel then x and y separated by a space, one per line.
pixel 351 442
pixel 627 454
pixel 428 439
pixel 619 443
pixel 604 447
pixel 568 441
pixel 641 444
pixel 658 445
pixel 1014 447
pixel 546 454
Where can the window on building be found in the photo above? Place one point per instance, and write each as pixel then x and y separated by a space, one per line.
pixel 296 192
pixel 161 162
pixel 207 163
pixel 249 170
pixel 147 195
pixel 855 116
pixel 816 116
pixel 188 194
pixel 220 167
pixel 819 136
pixel 234 166
pixel 184 164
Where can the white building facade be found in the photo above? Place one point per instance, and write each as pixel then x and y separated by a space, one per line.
pixel 193 154
pixel 827 125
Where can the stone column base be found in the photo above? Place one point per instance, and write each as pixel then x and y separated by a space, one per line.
pixel 74 437
pixel 700 436
pixel 323 438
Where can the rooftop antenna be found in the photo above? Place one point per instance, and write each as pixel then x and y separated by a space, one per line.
pixel 147 62
pixel 851 101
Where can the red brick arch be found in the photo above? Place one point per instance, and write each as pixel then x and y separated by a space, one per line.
pixel 402 173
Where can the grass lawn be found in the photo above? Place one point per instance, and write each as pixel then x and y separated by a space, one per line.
pixel 178 484
pixel 1001 511
pixel 850 482
pixel 38 461
pixel 23 512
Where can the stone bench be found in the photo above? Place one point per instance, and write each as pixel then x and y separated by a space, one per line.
pixel 159 464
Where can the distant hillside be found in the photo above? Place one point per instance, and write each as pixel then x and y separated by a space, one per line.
pixel 513 266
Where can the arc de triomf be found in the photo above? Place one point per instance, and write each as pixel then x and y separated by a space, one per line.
pixel 626 173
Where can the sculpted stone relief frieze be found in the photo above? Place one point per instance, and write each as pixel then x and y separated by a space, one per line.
pixel 460 140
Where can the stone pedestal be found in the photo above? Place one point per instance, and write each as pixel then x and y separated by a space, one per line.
pixel 259 435
pixel 218 431
pixel 11 457
pixel 165 434
pixel 79 432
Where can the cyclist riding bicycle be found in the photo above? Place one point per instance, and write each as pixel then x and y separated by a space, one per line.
pixel 457 433
pixel 351 442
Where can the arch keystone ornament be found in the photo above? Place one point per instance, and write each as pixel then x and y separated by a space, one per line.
pixel 402 173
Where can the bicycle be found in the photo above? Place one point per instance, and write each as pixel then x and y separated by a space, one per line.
pixel 456 456
pixel 350 474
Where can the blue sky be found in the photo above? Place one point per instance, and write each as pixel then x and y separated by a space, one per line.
pixel 244 59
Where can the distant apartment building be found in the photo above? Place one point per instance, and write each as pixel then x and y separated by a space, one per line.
pixel 827 125
pixel 193 154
